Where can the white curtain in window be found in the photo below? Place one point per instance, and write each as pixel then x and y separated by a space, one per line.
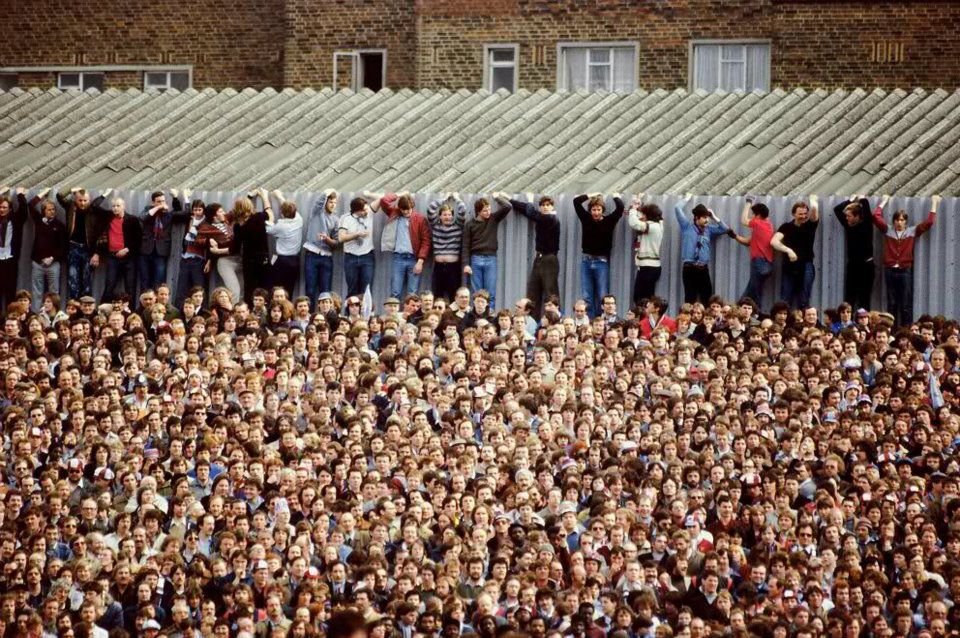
pixel 624 71
pixel 706 67
pixel 574 69
pixel 758 67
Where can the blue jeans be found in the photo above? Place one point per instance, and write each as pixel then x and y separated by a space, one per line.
pixel 43 279
pixel 900 294
pixel 153 271
pixel 594 282
pixel 403 281
pixel 760 271
pixel 191 274
pixel 318 275
pixel 79 271
pixel 358 271
pixel 797 284
pixel 484 276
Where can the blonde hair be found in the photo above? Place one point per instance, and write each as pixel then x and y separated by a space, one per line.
pixel 242 209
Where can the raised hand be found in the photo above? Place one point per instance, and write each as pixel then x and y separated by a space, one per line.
pixel 616 195
pixel 174 192
pixel 883 200
pixel 21 190
pixel 107 192
pixel 328 192
pixel 814 201
pixel 187 193
pixel 935 201
pixel 43 193
pixel 595 194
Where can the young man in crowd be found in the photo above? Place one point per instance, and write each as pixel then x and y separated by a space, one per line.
pixel 795 240
pixel 407 235
pixel 356 237
pixel 854 215
pixel 323 229
pixel 480 244
pixel 544 279
pixel 596 241
pixel 647 221
pixel 696 246
pixel 447 218
pixel 124 235
pixel 157 219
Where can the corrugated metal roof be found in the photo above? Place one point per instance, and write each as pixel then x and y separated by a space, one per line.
pixel 903 143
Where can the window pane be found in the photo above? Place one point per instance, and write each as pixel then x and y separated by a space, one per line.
pixel 502 55
pixel 93 81
pixel 599 56
pixel 69 80
pixel 624 69
pixel 599 77
pixel 758 67
pixel 180 80
pixel 731 76
pixel 706 67
pixel 575 69
pixel 501 77
pixel 732 52
pixel 156 80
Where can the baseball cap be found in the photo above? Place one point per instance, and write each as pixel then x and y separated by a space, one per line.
pixel 151 624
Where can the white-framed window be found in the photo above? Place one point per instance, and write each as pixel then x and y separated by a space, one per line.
pixel 163 80
pixel 360 69
pixel 597 66
pixel 500 67
pixel 79 81
pixel 730 66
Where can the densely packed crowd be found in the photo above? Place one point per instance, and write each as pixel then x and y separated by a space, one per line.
pixel 249 463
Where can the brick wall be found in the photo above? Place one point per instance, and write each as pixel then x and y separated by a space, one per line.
pixel 229 42
pixel 315 29
pixel 439 43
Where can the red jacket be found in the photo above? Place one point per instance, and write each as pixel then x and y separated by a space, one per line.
pixel 664 322
pixel 898 249
pixel 419 228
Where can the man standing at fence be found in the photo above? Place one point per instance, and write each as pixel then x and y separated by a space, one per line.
pixel 545 274
pixel 647 220
pixel 406 235
pixel 854 216
pixel 287 229
pixel 756 216
pixel 157 221
pixel 899 244
pixel 596 243
pixel 795 240
pixel 84 223
pixel 49 247
pixel 480 244
pixel 11 235
pixel 446 224
pixel 356 236
pixel 124 236
pixel 322 232
pixel 695 249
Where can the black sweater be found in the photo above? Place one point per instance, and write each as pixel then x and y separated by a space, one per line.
pixel 49 237
pixel 548 226
pixel 597 237
pixel 860 235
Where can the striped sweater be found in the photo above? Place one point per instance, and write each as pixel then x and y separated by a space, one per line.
pixel 446 239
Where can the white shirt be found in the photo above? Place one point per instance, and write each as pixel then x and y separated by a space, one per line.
pixel 352 224
pixel 289 234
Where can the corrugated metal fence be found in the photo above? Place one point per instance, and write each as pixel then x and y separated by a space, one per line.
pixel 935 278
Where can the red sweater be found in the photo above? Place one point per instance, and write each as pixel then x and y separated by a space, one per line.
pixel 419 228
pixel 898 247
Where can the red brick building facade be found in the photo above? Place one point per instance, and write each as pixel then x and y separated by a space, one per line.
pixel 472 44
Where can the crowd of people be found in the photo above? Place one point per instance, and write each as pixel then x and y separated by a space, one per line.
pixel 250 463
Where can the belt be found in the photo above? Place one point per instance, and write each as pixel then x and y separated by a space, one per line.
pixel 539 255
pixel 693 264
pixel 599 257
